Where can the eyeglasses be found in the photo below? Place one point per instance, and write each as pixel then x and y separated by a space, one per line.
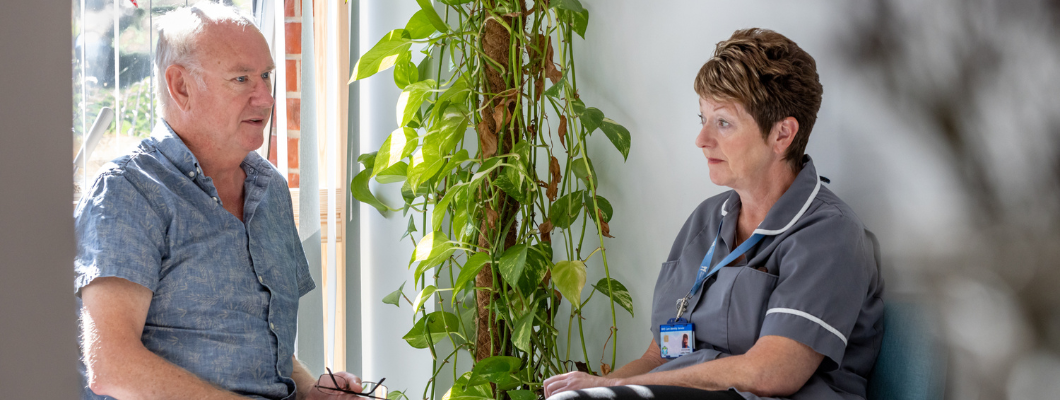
pixel 377 390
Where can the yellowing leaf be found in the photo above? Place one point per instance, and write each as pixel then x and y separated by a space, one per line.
pixel 569 277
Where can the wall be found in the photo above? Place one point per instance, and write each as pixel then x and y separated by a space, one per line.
pixel 38 350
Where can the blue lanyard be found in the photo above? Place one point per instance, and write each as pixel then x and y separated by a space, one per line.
pixel 706 271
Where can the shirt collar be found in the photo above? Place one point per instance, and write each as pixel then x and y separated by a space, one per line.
pixel 791 205
pixel 173 148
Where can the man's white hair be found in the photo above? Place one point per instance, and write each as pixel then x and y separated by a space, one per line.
pixel 177 34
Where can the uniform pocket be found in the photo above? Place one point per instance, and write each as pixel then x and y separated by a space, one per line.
pixel 665 296
pixel 748 301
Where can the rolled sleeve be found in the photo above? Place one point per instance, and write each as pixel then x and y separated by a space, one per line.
pixel 823 281
pixel 119 235
pixel 305 280
pixel 302 274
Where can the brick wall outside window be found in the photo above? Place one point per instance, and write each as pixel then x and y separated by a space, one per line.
pixel 293 58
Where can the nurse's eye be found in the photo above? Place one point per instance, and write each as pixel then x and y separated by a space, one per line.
pixel 723 123
pixel 701 119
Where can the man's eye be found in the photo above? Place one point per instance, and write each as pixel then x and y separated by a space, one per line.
pixel 266 76
pixel 241 79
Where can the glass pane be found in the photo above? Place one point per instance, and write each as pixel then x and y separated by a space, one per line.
pixel 78 80
pixel 95 46
pixel 158 9
pixel 246 5
pixel 133 119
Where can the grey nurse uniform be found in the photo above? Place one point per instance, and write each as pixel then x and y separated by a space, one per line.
pixel 814 279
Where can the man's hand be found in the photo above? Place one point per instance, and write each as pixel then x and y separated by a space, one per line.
pixel 574 381
pixel 345 380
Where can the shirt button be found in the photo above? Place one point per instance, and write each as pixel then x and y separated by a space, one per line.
pixel 216 199
pixel 191 174
pixel 260 279
pixel 271 326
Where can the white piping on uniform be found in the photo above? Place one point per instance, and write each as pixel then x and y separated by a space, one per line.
pixel 810 317
pixel 805 206
pixel 794 219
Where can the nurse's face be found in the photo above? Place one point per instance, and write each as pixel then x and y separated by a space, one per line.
pixel 737 155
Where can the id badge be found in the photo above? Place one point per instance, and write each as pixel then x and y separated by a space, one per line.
pixel 677 338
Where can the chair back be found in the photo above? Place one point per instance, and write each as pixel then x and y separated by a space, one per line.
pixel 912 361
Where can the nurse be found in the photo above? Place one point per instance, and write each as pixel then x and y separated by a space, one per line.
pixel 776 282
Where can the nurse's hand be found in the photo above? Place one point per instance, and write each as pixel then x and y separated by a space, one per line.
pixel 574 381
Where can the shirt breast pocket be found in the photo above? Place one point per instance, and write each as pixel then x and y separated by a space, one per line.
pixel 751 289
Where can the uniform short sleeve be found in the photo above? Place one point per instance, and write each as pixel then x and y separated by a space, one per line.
pixel 825 272
pixel 118 235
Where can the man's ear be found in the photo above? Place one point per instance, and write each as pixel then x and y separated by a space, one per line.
pixel 179 80
pixel 783 134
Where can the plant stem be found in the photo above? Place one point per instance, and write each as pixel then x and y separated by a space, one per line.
pixel 585 351
pixel 596 206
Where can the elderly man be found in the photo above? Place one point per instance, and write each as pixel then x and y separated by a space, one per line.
pixel 189 267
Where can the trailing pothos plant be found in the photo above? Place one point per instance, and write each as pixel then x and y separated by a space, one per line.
pixel 492 149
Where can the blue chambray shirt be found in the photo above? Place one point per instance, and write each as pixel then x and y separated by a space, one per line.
pixel 225 292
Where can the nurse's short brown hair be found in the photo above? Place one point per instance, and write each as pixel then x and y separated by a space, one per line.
pixel 771 76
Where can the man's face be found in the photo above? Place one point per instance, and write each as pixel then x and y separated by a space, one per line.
pixel 231 111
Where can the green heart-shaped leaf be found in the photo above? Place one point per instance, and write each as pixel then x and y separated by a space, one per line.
pixel 395 296
pixel 394 173
pixel 421 298
pixel 565 210
pixel 411 99
pixel 512 263
pixel 359 190
pixel 620 294
pixel 440 324
pixel 470 270
pixel 524 327
pixel 420 26
pixel 383 55
pixel 591 119
pixel 618 135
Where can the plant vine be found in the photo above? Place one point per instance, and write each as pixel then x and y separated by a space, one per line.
pixel 470 143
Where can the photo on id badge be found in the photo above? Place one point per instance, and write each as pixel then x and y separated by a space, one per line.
pixel 677 340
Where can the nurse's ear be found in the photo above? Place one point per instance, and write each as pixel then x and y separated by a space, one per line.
pixel 782 134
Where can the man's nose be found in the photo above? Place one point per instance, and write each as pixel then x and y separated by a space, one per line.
pixel 262 95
